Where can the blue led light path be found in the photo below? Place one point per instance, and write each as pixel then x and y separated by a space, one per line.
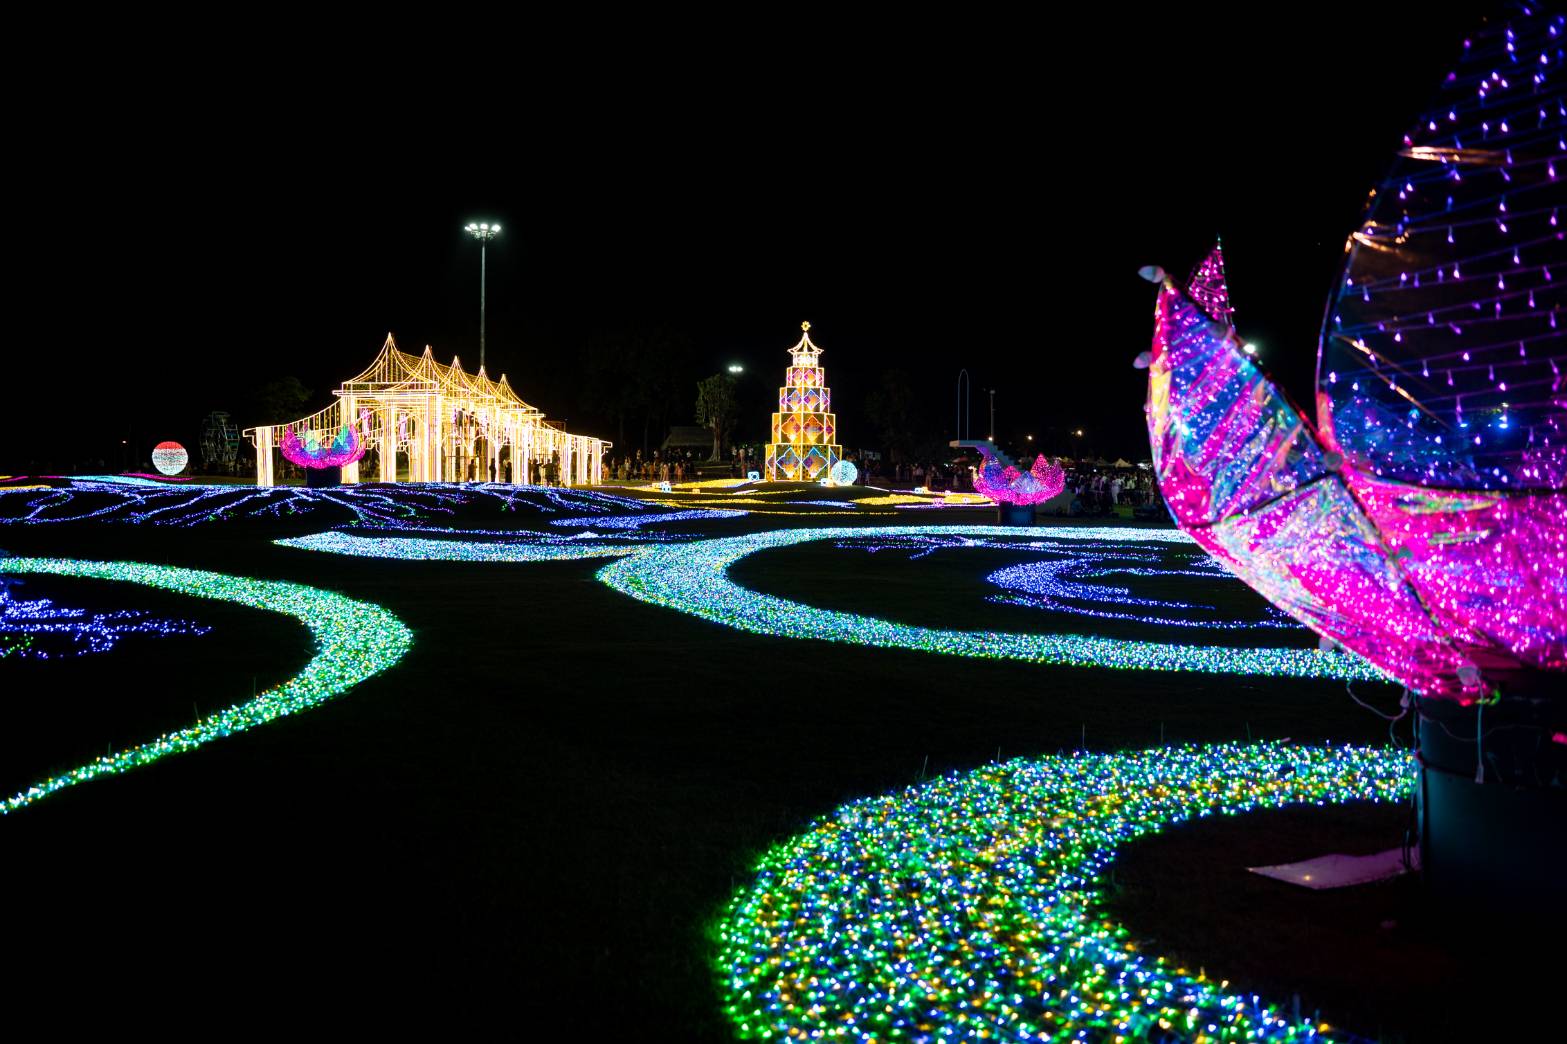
pixel 694 578
pixel 355 640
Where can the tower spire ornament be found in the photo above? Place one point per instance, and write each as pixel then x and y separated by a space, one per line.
pixel 802 447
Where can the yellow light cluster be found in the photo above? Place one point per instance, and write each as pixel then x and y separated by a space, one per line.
pixel 802 447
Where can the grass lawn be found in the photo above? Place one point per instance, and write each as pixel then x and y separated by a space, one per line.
pixel 547 803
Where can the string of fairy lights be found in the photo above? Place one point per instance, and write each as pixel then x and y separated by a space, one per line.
pixel 694 578
pixel 38 629
pixel 1441 357
pixel 355 640
pixel 1057 585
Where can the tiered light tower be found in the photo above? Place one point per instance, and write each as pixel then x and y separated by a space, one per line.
pixel 802 449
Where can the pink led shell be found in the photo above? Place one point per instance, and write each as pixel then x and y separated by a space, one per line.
pixel 1446 591
pixel 1005 484
pixel 1423 522
pixel 345 449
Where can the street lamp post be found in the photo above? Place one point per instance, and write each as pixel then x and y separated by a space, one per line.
pixel 483 232
pixel 992 415
pixel 961 430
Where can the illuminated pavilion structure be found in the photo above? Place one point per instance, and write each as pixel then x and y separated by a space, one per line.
pixel 802 448
pixel 440 422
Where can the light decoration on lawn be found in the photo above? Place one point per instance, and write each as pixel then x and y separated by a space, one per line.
pixel 1422 523
pixel 169 458
pixel 694 578
pixel 355 640
pixel 448 425
pixel 845 473
pixel 402 505
pixel 522 548
pixel 1056 584
pixel 308 452
pixel 643 521
pixel 969 908
pixel 37 629
pixel 804 428
pixel 1003 482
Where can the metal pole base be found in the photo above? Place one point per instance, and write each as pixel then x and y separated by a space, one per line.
pixel 1014 514
pixel 323 478
pixel 1499 843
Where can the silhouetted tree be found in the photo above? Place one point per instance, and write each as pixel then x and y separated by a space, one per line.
pixel 891 409
pixel 717 408
pixel 278 402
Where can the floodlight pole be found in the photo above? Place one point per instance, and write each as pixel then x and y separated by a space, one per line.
pixel 960 431
pixel 483 232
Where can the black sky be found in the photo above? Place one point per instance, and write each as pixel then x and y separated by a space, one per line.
pixel 930 196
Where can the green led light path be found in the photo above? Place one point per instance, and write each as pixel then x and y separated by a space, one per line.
pixel 968 908
pixel 355 640
pixel 694 578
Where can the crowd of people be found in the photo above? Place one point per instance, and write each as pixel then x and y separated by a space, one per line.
pixel 662 466
pixel 1098 491
pixel 1095 490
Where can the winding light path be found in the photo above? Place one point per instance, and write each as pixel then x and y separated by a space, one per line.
pixel 968 908
pixel 694 578
pixel 354 641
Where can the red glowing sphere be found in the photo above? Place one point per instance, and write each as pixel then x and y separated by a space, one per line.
pixel 169 458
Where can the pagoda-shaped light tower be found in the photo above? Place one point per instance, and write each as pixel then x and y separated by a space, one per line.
pixel 802 449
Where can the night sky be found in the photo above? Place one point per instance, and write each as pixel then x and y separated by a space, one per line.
pixel 930 198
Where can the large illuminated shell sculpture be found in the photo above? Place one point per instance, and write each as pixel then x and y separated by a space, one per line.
pixel 1006 484
pixel 308 452
pixel 1421 523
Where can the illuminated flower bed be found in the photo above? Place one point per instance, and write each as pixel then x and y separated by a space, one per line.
pixel 967 908
pixel 354 641
pixel 694 578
